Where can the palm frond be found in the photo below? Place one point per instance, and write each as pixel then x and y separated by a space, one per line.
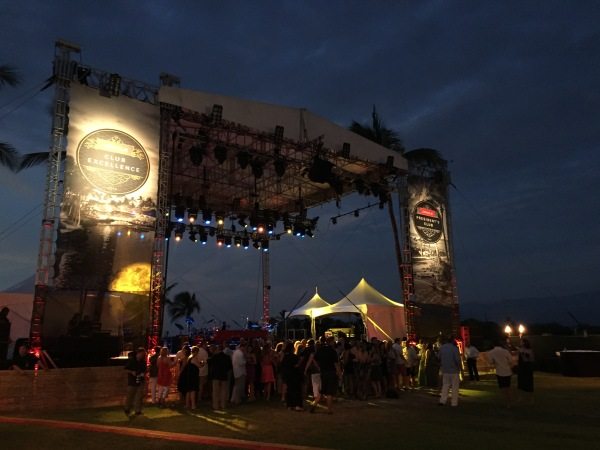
pixel 36 159
pixel 9 75
pixel 8 156
pixel 378 133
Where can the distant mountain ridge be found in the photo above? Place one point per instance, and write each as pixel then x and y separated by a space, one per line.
pixel 584 306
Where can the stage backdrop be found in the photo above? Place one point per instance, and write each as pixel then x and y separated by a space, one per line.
pixel 104 243
pixel 431 254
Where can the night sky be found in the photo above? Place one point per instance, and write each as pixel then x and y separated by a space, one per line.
pixel 508 92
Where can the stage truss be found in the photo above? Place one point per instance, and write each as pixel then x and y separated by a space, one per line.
pixel 260 183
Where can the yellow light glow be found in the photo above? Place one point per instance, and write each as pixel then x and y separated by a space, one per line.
pixel 132 278
pixel 508 329
pixel 521 328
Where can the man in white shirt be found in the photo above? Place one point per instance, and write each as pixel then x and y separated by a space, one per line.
pixel 502 361
pixel 472 354
pixel 238 360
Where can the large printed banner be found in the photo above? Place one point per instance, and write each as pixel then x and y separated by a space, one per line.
pixel 104 243
pixel 431 257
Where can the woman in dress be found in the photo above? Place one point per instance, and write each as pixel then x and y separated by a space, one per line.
pixel 525 369
pixel 292 376
pixel 189 379
pixel 267 373
pixel 165 375
pixel 250 372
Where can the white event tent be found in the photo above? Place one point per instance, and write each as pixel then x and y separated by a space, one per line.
pixel 383 317
pixel 307 309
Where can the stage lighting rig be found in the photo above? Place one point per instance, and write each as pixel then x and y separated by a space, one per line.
pixel 192 215
pixel 179 213
pixel 220 154
pixel 207 216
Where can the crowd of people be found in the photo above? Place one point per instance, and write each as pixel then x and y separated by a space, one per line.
pixel 305 374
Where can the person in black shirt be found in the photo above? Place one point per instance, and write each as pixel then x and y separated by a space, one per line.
pixel 136 387
pixel 219 369
pixel 329 363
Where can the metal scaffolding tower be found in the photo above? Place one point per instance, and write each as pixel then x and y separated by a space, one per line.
pixel 64 70
pixel 266 312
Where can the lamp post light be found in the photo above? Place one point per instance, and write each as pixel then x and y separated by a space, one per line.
pixel 508 330
pixel 521 330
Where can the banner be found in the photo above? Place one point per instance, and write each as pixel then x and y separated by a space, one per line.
pixel 430 254
pixel 107 216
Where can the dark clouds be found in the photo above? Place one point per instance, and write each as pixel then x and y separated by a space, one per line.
pixel 508 91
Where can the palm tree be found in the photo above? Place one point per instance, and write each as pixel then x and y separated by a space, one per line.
pixel 8 155
pixel 184 305
pixel 378 132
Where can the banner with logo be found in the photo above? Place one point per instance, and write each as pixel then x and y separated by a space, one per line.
pixel 431 255
pixel 108 211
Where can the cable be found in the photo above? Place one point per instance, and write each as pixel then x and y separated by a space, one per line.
pixel 24 218
pixel 27 95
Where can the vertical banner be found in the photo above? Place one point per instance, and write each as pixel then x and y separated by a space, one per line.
pixel 107 217
pixel 431 255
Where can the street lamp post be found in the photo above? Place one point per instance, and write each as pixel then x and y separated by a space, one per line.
pixel 521 330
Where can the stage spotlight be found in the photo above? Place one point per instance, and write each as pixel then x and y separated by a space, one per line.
pixel 280 166
pixel 257 168
pixel 375 189
pixel 128 233
pixel 260 229
pixel 320 170
pixel 356 213
pixel 179 230
pixel 207 216
pixel 142 236
pixel 114 84
pixel 197 154
pixel 192 214
pixel 265 246
pixel 119 233
pixel 220 220
pixel 243 159
pixel 270 228
pixel 345 150
pixel 227 241
pixel 82 75
pixel 179 213
pixel 245 243
pixel 237 241
pixel 220 154
pixel 278 135
pixel 359 185
pixel 287 226
pixel 299 230
pixel 203 238
pixel 220 240
pixel 217 113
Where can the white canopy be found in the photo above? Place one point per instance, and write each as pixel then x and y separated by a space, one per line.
pixel 383 317
pixel 307 309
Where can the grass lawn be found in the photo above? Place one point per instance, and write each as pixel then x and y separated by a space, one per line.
pixel 566 415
